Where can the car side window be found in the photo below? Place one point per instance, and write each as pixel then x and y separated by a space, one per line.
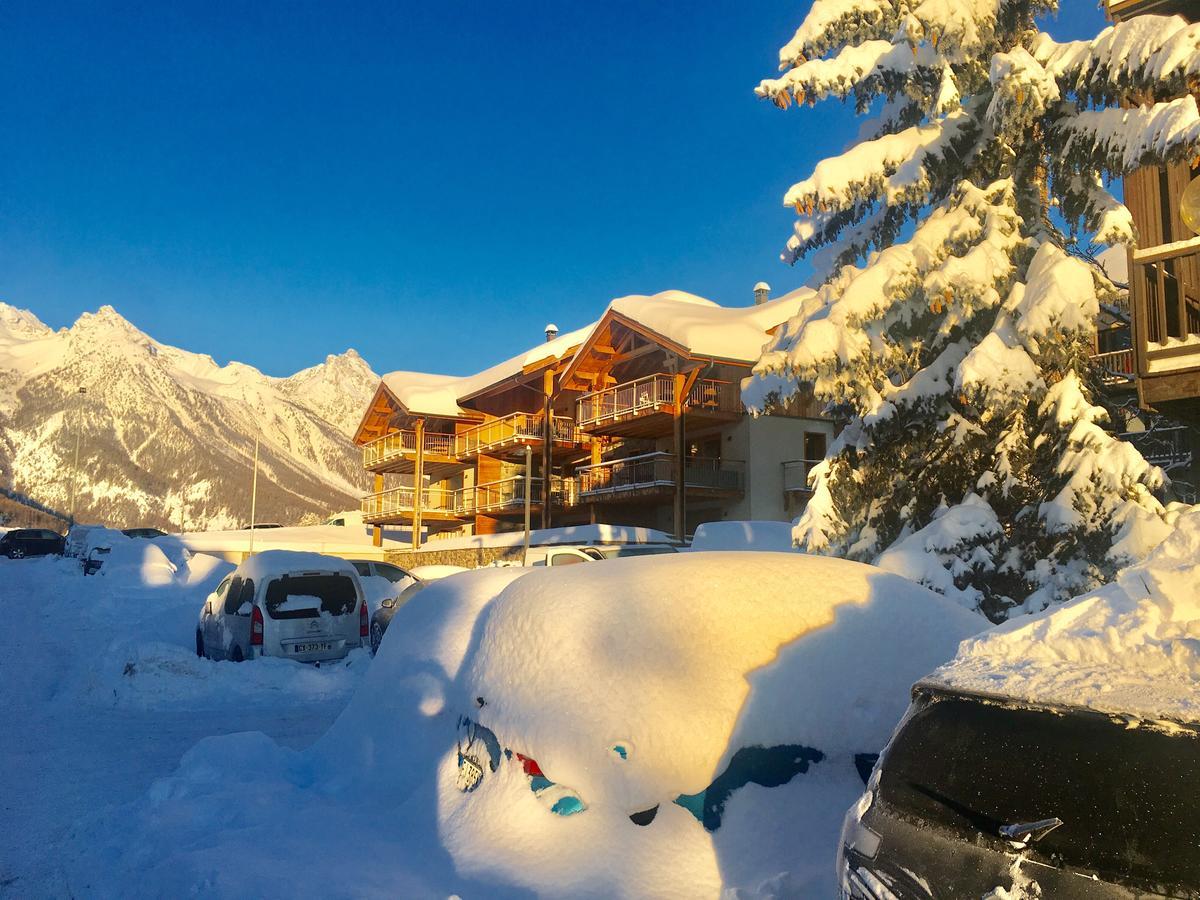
pixel 234 591
pixel 363 569
pixel 565 559
pixel 392 573
pixel 240 592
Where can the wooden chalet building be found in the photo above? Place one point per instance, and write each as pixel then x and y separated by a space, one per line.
pixel 634 420
pixel 1164 272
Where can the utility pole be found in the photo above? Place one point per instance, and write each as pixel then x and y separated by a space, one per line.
pixel 528 496
pixel 254 494
pixel 75 469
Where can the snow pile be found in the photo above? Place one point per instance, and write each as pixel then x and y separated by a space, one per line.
pixel 730 651
pixel 1131 647
pixel 743 536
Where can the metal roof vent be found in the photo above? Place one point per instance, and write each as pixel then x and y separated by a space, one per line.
pixel 762 292
pixel 551 332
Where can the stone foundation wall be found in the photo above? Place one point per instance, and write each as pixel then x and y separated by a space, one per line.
pixel 465 557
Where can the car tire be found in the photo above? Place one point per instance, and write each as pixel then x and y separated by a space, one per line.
pixel 236 655
pixel 199 645
pixel 376 637
pixel 16 553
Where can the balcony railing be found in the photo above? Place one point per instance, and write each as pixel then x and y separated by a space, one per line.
pixel 513 430
pixel 403 445
pixel 795 475
pixel 1116 366
pixel 657 470
pixel 506 494
pixel 652 394
pixel 1166 286
pixel 401 501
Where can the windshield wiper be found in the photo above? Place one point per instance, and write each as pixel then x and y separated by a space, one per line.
pixel 1028 832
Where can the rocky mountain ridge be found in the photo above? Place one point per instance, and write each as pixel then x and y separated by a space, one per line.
pixel 166 435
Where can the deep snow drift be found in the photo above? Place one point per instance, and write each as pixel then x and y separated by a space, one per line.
pixel 104 693
pixel 1131 647
pixel 631 682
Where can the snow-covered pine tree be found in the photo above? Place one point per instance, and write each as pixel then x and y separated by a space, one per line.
pixel 953 322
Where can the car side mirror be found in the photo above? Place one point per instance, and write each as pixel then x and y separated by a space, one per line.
pixel 389 603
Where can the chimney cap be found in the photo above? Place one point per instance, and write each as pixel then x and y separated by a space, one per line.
pixel 762 286
pixel 551 331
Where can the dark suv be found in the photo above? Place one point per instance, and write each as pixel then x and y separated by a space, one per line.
pixel 22 542
pixel 1095 806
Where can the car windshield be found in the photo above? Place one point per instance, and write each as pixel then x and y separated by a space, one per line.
pixel 308 596
pixel 1126 796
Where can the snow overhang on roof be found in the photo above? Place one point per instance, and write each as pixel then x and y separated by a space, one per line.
pixel 441 396
pixel 697 328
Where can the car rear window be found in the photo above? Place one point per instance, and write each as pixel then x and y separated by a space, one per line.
pixel 308 596
pixel 1126 796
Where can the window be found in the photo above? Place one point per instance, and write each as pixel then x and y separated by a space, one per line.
pixel 394 574
pixel 235 589
pixel 363 569
pixel 236 602
pixel 565 559
pixel 308 596
pixel 814 445
pixel 1127 796
pixel 220 591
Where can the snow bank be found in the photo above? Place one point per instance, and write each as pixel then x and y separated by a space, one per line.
pixel 744 536
pixel 1131 647
pixel 680 660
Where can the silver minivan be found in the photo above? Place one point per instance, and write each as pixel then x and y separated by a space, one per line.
pixel 301 606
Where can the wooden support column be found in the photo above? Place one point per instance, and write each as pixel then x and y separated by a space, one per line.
pixel 377 530
pixel 418 485
pixel 547 442
pixel 680 484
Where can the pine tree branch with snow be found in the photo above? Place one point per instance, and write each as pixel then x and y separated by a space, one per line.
pixel 956 308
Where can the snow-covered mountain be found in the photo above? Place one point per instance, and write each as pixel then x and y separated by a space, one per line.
pixel 162 431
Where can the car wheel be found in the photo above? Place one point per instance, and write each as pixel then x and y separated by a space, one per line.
pixel 199 645
pixel 376 637
pixel 16 553
pixel 236 655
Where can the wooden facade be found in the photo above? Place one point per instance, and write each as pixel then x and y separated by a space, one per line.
pixel 1164 272
pixel 627 426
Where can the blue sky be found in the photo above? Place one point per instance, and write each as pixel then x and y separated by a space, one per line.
pixel 428 183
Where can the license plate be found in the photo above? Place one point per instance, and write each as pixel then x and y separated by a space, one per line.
pixel 312 648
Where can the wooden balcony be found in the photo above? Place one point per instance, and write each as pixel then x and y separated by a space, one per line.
pixel 1165 283
pixel 1118 368
pixel 398 504
pixel 397 452
pixel 506 495
pixel 509 435
pixel 645 407
pixel 652 475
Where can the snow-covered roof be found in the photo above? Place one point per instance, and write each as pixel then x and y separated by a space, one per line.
pixel 439 395
pixel 272 563
pixel 704 328
pixel 700 326
pixel 339 539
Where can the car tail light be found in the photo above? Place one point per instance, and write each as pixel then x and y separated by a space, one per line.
pixel 256 627
pixel 363 631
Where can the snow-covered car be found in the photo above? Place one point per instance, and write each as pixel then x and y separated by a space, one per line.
pixel 1057 755
pixel 710 699
pixel 978 792
pixel 147 534
pixel 382 617
pixel 301 606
